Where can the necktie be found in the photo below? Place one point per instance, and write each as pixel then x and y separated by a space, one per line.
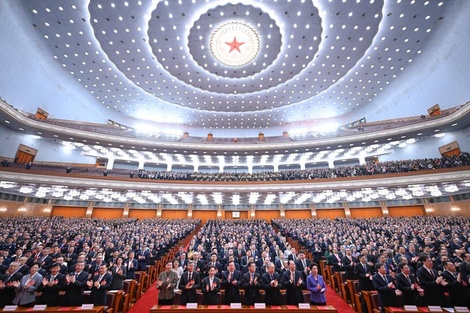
pixel 365 268
pixel 100 278
pixel 271 276
pixel 189 276
pixel 385 278
pixel 408 278
pixel 252 277
pixel 432 273
pixel 303 264
pixel 292 276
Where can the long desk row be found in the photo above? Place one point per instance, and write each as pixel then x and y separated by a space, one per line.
pixel 53 309
pixel 243 309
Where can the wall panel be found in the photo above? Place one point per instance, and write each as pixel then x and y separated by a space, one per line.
pixel 174 214
pixel 330 213
pixel 142 213
pixel 68 211
pixel 298 214
pixel 406 210
pixel 205 215
pixel 268 214
pixel 107 213
pixel 366 212
pixel 446 208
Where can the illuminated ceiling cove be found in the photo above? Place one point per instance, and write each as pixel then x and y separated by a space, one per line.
pixel 235 65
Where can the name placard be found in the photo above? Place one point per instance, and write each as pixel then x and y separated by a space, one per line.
pixel 461 309
pixel 191 305
pixel 235 305
pixel 410 308
pixel 260 305
pixel 39 307
pixel 434 308
pixel 304 305
pixel 87 307
pixel 10 307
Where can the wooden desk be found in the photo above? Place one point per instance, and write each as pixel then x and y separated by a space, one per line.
pixel 56 309
pixel 244 309
pixel 420 310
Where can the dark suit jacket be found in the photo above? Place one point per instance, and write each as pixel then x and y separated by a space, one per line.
pixel 272 294
pixel 335 262
pixel 294 294
pixel 189 295
pixel 74 291
pixel 232 290
pixel 50 294
pixel 300 267
pixel 252 295
pixel 457 292
pixel 131 270
pixel 98 295
pixel 364 282
pixel 8 293
pixel 348 266
pixel 209 293
pixel 387 295
pixel 433 293
pixel 409 296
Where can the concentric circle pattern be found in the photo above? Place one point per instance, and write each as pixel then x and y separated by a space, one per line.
pixel 316 59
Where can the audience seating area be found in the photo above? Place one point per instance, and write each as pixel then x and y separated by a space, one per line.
pixel 445 238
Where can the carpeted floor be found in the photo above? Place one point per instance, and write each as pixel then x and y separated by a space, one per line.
pixel 149 299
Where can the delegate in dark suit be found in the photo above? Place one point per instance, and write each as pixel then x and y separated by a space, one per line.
pixel 364 272
pixel 189 282
pixel 50 287
pixel 251 283
pixel 385 286
pixel 458 294
pixel 8 293
pixel 349 263
pixel 433 291
pixel 294 284
pixel 75 284
pixel 408 287
pixel 231 281
pixel 99 286
pixel 210 290
pixel 271 283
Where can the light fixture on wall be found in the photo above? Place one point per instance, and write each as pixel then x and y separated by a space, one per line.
pixel 455 209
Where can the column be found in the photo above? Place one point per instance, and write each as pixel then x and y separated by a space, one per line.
pixel 250 169
pixel 141 164
pixel 169 166
pixel 276 167
pixel 313 210
pixel 282 210
pixel 159 210
pixel 125 213
pixel 347 211
pixel 383 206
pixel 331 163
pixel 221 168
pixel 220 212
pixel 362 160
pixel 89 209
pixel 252 211
pixel 190 210
pixel 110 164
pixel 302 166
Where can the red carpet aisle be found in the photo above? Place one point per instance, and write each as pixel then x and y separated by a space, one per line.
pixel 149 299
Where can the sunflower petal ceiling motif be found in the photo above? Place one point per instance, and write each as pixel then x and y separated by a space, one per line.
pixel 309 59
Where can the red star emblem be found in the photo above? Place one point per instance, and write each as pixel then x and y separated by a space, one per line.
pixel 234 45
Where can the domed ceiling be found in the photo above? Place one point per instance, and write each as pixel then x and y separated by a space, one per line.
pixel 236 65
